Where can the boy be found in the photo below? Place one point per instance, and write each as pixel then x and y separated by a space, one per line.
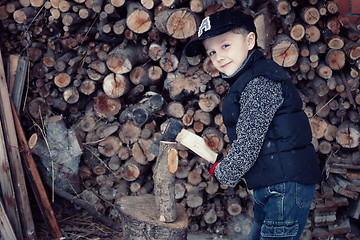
pixel 269 133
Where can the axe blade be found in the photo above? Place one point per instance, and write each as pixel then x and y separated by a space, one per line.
pixel 173 128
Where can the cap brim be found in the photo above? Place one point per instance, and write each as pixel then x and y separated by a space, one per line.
pixel 196 47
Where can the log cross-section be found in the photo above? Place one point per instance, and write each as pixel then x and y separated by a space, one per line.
pixel 178 23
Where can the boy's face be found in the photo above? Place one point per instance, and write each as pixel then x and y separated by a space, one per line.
pixel 228 51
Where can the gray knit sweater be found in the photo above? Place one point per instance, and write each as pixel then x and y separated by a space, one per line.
pixel 259 101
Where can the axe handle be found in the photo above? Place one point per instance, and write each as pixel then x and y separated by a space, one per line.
pixel 196 144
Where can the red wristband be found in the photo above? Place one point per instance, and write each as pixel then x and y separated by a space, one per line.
pixel 211 171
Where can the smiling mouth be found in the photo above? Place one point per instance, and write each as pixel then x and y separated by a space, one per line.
pixel 225 65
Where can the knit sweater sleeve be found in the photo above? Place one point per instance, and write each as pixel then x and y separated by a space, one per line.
pixel 259 101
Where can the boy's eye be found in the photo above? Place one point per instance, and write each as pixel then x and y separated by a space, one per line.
pixel 211 53
pixel 225 45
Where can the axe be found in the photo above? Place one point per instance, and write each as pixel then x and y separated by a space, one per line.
pixel 175 131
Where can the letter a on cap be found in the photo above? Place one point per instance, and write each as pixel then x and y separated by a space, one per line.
pixel 205 26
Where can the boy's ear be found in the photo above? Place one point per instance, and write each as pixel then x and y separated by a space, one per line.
pixel 251 40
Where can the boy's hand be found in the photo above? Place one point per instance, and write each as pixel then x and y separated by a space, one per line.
pixel 213 166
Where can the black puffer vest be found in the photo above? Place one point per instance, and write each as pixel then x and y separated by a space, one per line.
pixel 287 153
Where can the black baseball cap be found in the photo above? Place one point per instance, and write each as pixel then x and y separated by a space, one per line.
pixel 217 24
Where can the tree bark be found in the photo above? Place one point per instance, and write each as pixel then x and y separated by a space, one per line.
pixel 137 212
pixel 164 182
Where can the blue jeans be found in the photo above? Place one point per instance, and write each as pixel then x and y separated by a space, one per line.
pixel 281 211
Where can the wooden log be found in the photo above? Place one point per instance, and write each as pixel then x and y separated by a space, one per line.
pixel 116 85
pixel 347 135
pixel 179 23
pixel 324 147
pixel 285 51
pixel 4 14
pixel 210 216
pixel 155 74
pixel 304 50
pixel 203 117
pixel 123 58
pixel 335 59
pixel 323 70
pixel 138 18
pixel 332 7
pixel 70 19
pixel 109 146
pixel 87 87
pixel 333 41
pixel 220 86
pixel 194 197
pixel 214 139
pixel 209 101
pixel 297 32
pixel 169 62
pixel 198 127
pixel 117 3
pixel 96 70
pixel 304 64
pixel 129 132
pixel 233 206
pixel 35 181
pixel 351 49
pixel 310 15
pixel 282 7
pixel 105 106
pixel 175 109
pixel 200 5
pixel 132 170
pixel 180 85
pixel 164 182
pixel 24 15
pixel 194 176
pixel 312 33
pixel 61 63
pixel 65 6
pixel 155 51
pixel 135 212
pixel 150 4
pixel 138 151
pixel 209 68
pixel 171 3
pixel 318 127
pixel 52 157
pixel 147 107
pixel 139 75
pixel 12 6
pixel 320 86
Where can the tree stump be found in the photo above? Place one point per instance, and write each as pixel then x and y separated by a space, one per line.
pixel 139 221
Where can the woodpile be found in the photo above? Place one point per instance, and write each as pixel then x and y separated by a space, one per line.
pixel 110 73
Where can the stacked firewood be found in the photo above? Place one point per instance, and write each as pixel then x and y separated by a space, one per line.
pixel 112 72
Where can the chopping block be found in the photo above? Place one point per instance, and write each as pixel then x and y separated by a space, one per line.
pixel 139 220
